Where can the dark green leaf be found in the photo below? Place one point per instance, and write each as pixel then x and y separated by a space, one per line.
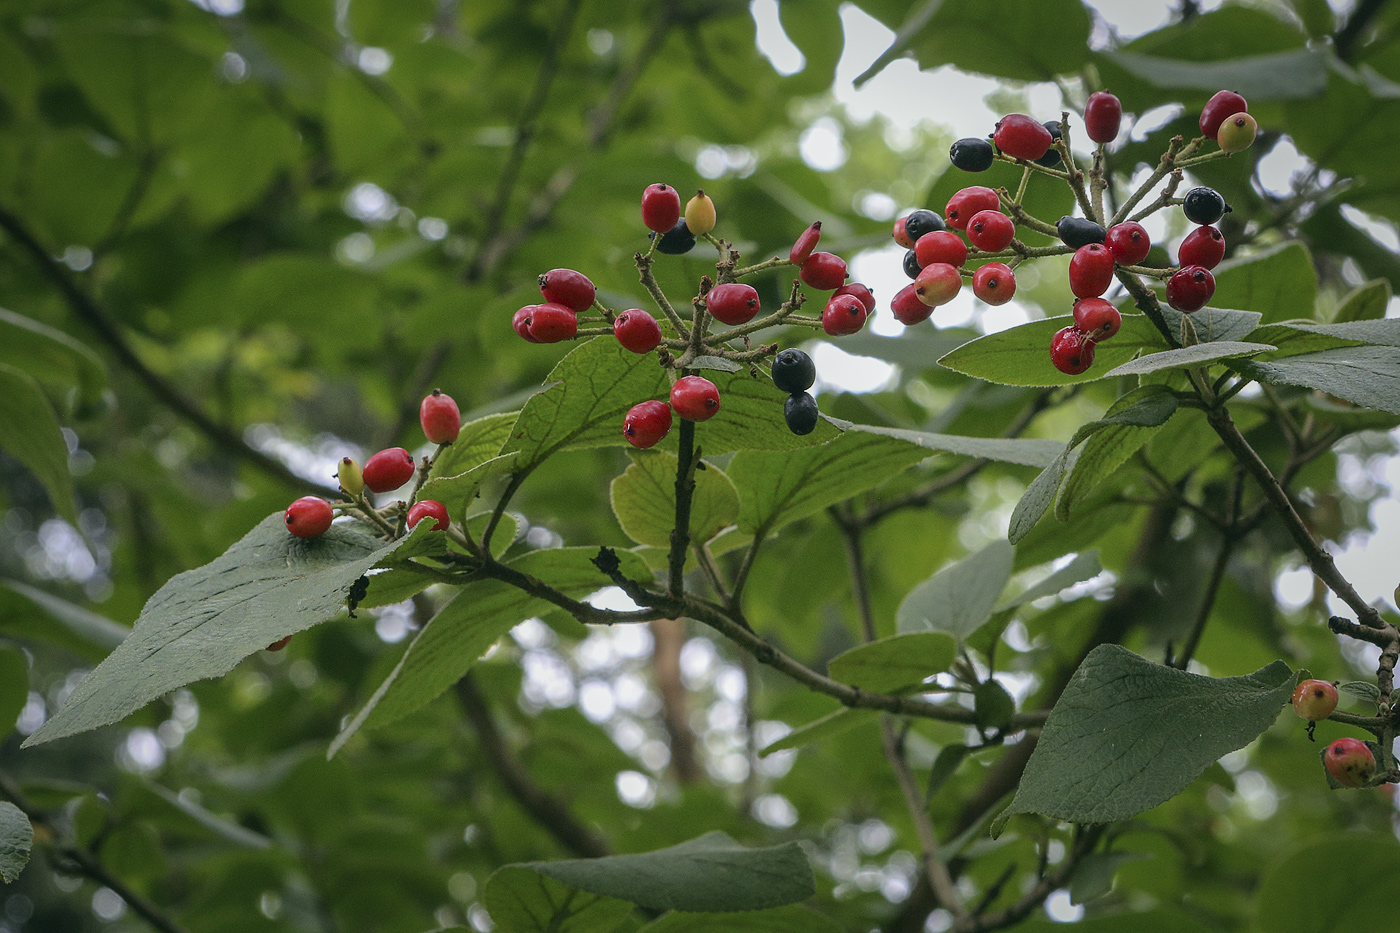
pixel 1368 376
pixel 522 901
pixel 889 664
pixel 16 836
pixel 1184 357
pixel 1034 452
pixel 994 706
pixel 944 766
pixel 959 598
pixel 1020 356
pixel 644 500
pixel 1211 324
pixel 1127 425
pixel 1367 302
pixel 1279 283
pixel 1038 496
pixel 1094 876
pixel 29 432
pixel 52 357
pixel 832 724
pixel 1275 76
pixel 1128 734
pixel 1361 689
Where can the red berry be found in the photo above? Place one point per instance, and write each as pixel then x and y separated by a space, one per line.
pixel 901 235
pixel 1190 288
pixel 994 283
pixel 388 469
pixel 843 314
pixel 1204 247
pixel 637 331
pixel 1096 318
pixel 1103 112
pixel 1071 351
pixel 805 243
pixel 695 398
pixel 308 517
pixel 1314 699
pixel 1128 242
pixel 521 322
pixel 733 303
pixel 1350 762
pixel 551 323
pixel 1223 104
pixel 646 423
pixel 279 644
pixel 429 508
pixel 661 207
pixel 825 271
pixel 938 283
pixel 968 202
pixel 1022 137
pixel 566 287
pixel 940 246
pixel 990 231
pixel 907 307
pixel 1090 271
pixel 861 292
pixel 440 418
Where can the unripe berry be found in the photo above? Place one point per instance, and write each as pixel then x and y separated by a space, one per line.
pixel 429 508
pixel 940 246
pixel 1097 318
pixel 1237 133
pixel 1021 137
pixel 990 231
pixel 677 241
pixel 859 291
pixel 647 423
pixel 800 412
pixel 1128 242
pixel 440 417
pixel 793 371
pixel 937 284
pixel 695 398
pixel 907 307
pixel 551 323
pixel 1090 270
pixel 661 207
pixel 573 290
pixel 1350 762
pixel 969 202
pixel 351 477
pixel 1077 231
pixel 972 154
pixel 1190 288
pixel 1223 104
pixel 922 221
pixel 825 271
pixel 637 331
pixel 700 214
pixel 843 314
pixel 1314 699
pixel 1103 113
pixel 994 283
pixel 806 242
pixel 389 469
pixel 1204 247
pixel 521 322
pixel 1071 351
pixel 733 303
pixel 308 517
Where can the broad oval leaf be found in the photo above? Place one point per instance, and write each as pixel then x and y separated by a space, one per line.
pixel 1366 302
pixel 1020 356
pixel 1369 376
pixel 1280 283
pixel 521 901
pixel 1273 76
pixel 29 432
pixel 1128 734
pixel 1027 451
pixel 1183 357
pixel 959 598
pixel 644 499
pixel 889 664
pixel 16 838
pixel 1211 324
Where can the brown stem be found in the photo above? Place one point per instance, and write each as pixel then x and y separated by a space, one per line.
pixel 685 489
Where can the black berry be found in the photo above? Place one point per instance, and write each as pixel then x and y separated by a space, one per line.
pixel 1077 232
pixel 972 154
pixel 677 241
pixel 1204 205
pixel 921 222
pixel 793 371
pixel 1051 157
pixel 911 264
pixel 800 412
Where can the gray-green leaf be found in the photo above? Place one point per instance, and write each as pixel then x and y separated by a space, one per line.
pixel 959 598
pixel 16 837
pixel 29 432
pixel 522 901
pixel 1183 357
pixel 892 663
pixel 644 499
pixel 1369 376
pixel 1027 451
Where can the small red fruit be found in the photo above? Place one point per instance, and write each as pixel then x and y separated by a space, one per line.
pixel 551 323
pixel 937 284
pixel 994 283
pixel 907 308
pixel 566 287
pixel 825 271
pixel 637 331
pixel 1128 242
pixel 388 469
pixel 990 231
pixel 1223 104
pixel 901 235
pixel 1350 762
pixel 1204 247
pixel 1022 137
pixel 661 207
pixel 429 508
pixel 440 417
pixel 806 242
pixel 843 314
pixel 647 423
pixel 695 398
pixel 521 322
pixel 1090 271
pixel 733 303
pixel 1096 318
pixel 1103 113
pixel 1314 699
pixel 308 517
pixel 970 201
pixel 940 246
pixel 859 291
pixel 279 644
pixel 1190 288
pixel 1071 351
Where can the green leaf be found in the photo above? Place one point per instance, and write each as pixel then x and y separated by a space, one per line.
pixel 14 686
pixel 92 628
pixel 202 622
pixel 461 632
pixel 1274 76
pixel 1038 496
pixel 1280 282
pixel 1094 876
pixel 711 873
pixel 1034 452
pixel 456 492
pixel 1369 376
pixel 479 442
pixel 1083 567
pixel 1183 357
pixel 1162 920
pixel 778 488
pixel 1020 356
pixel 1128 424
pixel 521 901
pixel 950 757
pixel 52 357
pixel 1322 885
pixel 994 706
pixel 644 499
pixel 1128 734
pixel 832 724
pixel 889 664
pixel 16 837
pixel 791 919
pixel 1366 302
pixel 29 432
pixel 1212 324
pixel 959 598
pixel 1361 689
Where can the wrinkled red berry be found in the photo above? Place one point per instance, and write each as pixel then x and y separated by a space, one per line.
pixel 733 303
pixel 308 517
pixel 521 322
pixel 1103 113
pixel 994 283
pixel 940 246
pixel 1097 318
pixel 1204 247
pixel 907 307
pixel 647 423
pixel 1128 242
pixel 1190 288
pixel 990 231
pixel 429 508
pixel 661 207
pixel 695 398
pixel 1071 351
pixel 1022 137
pixel 566 287
pixel 843 314
pixel 1350 762
pixel 825 271
pixel 637 331
pixel 388 469
pixel 1090 270
pixel 1223 104
pixel 806 242
pixel 551 323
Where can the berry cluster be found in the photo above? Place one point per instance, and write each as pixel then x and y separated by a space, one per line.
pixel 1350 762
pixel 694 398
pixel 794 373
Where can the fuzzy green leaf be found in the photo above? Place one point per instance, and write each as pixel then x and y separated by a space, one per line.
pixel 1280 283
pixel 521 901
pixel 1184 357
pixel 1369 376
pixel 29 432
pixel 890 664
pixel 1027 451
pixel 959 598
pixel 644 500
pixel 1020 356
pixel 16 838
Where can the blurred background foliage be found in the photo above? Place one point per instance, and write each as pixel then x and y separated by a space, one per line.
pixel 253 233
